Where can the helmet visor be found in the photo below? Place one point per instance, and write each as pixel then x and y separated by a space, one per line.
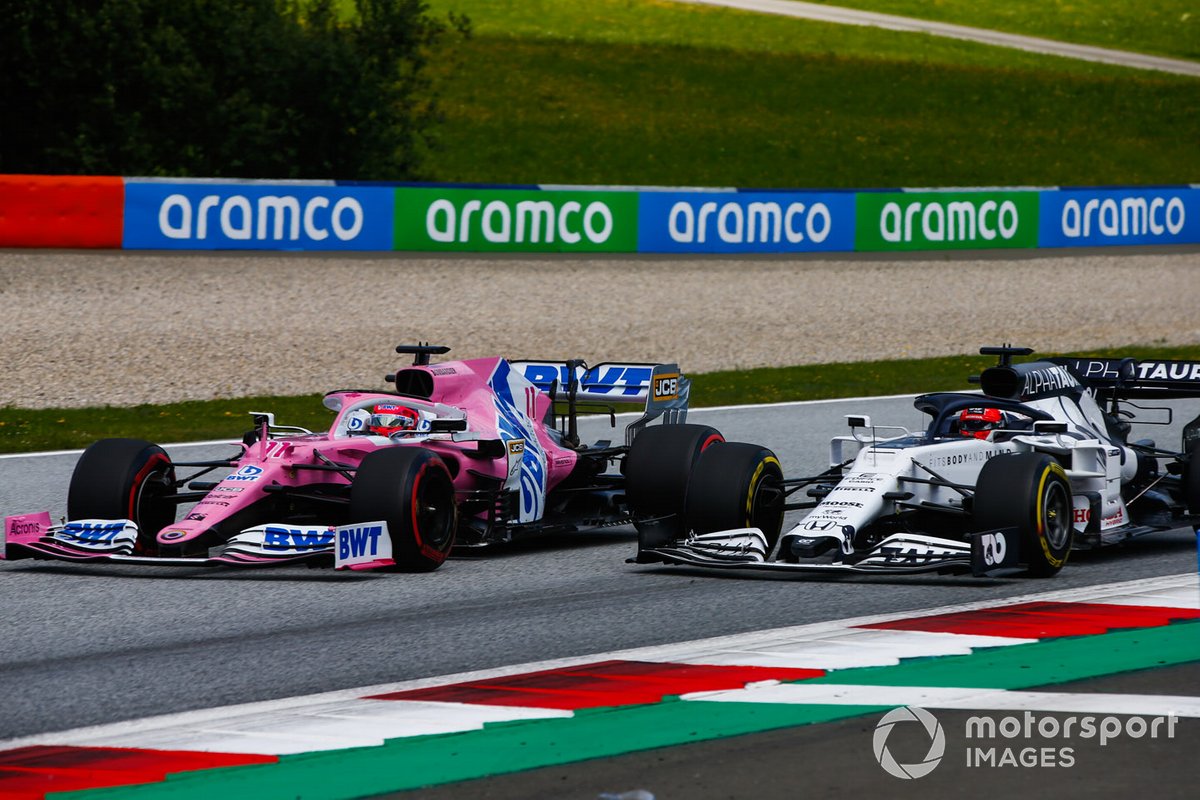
pixel 392 421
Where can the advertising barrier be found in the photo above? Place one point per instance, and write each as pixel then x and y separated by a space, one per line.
pixel 214 215
pixel 516 220
pixel 60 211
pixel 1091 217
pixel 745 222
pixel 960 220
pixel 195 214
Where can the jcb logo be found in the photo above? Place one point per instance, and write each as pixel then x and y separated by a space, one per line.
pixel 666 387
pixel 516 447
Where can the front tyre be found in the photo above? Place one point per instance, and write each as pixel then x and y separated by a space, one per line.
pixel 737 485
pixel 1191 479
pixel 410 489
pixel 1029 492
pixel 125 479
pixel 657 470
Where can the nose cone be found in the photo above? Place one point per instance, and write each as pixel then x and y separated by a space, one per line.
pixel 180 533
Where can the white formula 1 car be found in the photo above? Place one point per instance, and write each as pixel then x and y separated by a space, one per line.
pixel 1015 477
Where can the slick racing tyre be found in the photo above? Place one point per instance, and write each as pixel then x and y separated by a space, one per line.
pixel 125 479
pixel 411 490
pixel 657 470
pixel 736 485
pixel 1029 492
pixel 1191 479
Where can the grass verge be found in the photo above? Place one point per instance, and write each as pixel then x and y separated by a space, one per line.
pixel 25 430
pixel 616 92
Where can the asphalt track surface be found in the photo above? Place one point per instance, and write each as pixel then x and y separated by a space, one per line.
pixel 849 16
pixel 94 644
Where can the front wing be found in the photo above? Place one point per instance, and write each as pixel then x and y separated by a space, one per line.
pixel 899 554
pixel 360 546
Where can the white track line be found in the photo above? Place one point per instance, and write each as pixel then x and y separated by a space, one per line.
pixel 969 699
pixel 1033 44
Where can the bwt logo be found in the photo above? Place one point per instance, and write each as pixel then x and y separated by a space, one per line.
pixel 246 473
pixel 297 539
pixel 89 532
pixel 356 542
pixel 631 380
pixel 271 217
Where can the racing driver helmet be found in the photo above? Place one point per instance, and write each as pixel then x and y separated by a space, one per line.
pixel 388 419
pixel 979 422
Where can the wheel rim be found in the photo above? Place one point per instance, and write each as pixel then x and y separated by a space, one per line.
pixel 767 504
pixel 435 510
pixel 151 512
pixel 1056 515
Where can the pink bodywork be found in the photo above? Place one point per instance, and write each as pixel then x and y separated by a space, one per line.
pixel 460 388
pixel 25 528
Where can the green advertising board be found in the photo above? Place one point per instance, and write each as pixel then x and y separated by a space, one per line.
pixel 945 220
pixel 516 220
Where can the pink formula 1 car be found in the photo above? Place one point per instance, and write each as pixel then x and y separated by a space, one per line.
pixel 461 452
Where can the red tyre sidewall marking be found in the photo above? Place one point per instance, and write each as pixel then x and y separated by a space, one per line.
pixel 429 552
pixel 154 461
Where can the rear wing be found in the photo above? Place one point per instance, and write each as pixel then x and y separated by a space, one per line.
pixel 662 388
pixel 1128 377
pixel 610 381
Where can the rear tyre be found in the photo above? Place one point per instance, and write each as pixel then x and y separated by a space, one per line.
pixel 737 485
pixel 410 489
pixel 124 479
pixel 1029 492
pixel 657 470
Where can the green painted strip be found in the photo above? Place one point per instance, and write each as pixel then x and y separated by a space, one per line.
pixel 1039 663
pixel 507 747
pixel 515 746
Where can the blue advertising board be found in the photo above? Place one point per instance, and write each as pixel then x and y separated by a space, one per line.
pixel 745 222
pixel 1117 216
pixel 214 215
